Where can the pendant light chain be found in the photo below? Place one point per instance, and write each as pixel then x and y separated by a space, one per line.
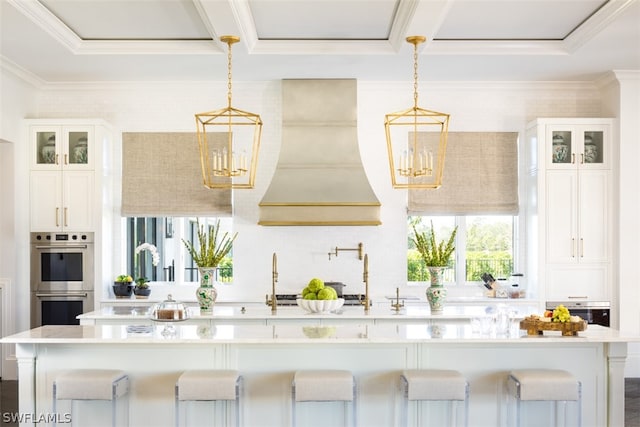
pixel 415 75
pixel 229 74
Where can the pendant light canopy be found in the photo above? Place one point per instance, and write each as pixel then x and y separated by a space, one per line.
pixel 416 140
pixel 229 140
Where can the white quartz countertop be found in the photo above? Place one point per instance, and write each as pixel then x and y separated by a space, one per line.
pixel 230 312
pixel 433 332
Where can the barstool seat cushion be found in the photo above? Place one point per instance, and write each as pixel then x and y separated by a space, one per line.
pixel 208 385
pixel 323 385
pixel 546 384
pixel 435 384
pixel 89 384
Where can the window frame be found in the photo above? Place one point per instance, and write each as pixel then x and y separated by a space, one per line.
pixel 155 231
pixel 461 242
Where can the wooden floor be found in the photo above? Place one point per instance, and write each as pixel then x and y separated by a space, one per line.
pixel 9 402
pixel 632 402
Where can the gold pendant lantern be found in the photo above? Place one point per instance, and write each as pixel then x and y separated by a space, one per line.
pixel 416 140
pixel 229 140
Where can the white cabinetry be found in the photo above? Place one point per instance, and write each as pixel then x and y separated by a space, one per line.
pixel 568 208
pixel 63 187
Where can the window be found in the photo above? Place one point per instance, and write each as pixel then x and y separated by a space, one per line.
pixel 166 233
pixel 488 242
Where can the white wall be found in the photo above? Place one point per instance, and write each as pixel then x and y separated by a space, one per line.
pixel 622 99
pixel 17 101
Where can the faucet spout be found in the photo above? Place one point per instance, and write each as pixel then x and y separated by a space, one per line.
pixel 359 249
pixel 273 302
pixel 365 279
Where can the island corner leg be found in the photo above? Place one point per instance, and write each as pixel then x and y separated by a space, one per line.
pixel 616 360
pixel 25 354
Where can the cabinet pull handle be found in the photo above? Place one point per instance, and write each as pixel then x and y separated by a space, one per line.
pixel 57 162
pixel 57 214
pixel 573 247
pixel 581 158
pixel 577 297
pixel 573 158
pixel 581 247
pixel 65 217
pixel 66 159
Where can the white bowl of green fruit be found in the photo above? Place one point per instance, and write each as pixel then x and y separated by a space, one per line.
pixel 320 306
pixel 318 298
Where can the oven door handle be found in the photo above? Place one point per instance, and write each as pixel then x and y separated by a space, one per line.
pixel 61 246
pixel 66 294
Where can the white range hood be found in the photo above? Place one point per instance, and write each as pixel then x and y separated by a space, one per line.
pixel 319 179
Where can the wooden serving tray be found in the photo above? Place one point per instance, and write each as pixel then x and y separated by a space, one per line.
pixel 537 327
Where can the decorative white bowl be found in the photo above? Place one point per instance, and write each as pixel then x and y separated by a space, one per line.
pixel 320 305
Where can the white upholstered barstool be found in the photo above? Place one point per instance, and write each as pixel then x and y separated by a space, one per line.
pixel 324 386
pixel 556 387
pixel 92 384
pixel 224 386
pixel 436 385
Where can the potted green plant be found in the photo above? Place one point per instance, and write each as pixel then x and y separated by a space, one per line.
pixel 142 289
pixel 207 255
pixel 436 256
pixel 123 286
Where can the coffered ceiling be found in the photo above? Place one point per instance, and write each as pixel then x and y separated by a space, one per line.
pixel 51 41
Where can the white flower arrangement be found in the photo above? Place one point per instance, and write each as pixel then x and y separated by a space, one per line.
pixel 141 282
pixel 155 257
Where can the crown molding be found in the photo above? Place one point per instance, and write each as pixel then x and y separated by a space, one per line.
pixel 26 76
pixel 496 47
pixel 595 24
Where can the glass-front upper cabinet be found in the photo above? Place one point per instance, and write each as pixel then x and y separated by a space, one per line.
pixel 577 147
pixel 62 147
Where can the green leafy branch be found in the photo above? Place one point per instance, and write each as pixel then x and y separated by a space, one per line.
pixel 210 252
pixel 434 254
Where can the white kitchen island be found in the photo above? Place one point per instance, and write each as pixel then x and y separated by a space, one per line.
pixel 268 355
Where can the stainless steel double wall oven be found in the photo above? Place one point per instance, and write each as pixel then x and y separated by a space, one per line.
pixel 62 277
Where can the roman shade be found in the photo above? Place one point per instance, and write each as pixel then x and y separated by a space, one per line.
pixel 161 176
pixel 480 176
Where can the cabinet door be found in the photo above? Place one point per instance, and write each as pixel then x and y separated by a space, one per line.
pixel 577 282
pixel 593 196
pixel 46 147
pixel 594 146
pixel 561 221
pixel 78 192
pixel 78 149
pixel 560 147
pixel 46 201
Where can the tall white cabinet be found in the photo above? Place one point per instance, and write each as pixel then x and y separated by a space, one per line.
pixel 569 217
pixel 65 178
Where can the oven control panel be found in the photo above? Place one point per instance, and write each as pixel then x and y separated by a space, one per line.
pixel 61 237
